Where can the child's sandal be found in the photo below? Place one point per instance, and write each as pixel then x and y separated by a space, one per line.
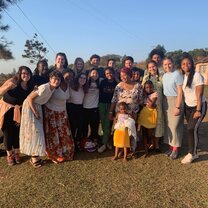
pixel 36 164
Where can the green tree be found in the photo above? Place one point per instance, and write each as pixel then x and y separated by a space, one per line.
pixel 35 50
pixel 5 52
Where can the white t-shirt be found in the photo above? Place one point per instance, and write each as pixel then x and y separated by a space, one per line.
pixel 190 93
pixel 171 80
pixel 58 100
pixel 76 97
pixel 91 98
pixel 44 93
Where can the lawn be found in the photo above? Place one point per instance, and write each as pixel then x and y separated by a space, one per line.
pixel 94 180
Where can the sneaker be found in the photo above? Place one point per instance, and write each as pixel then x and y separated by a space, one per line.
pixel 102 148
pixel 10 160
pixel 168 153
pixel 174 155
pixel 189 158
pixel 17 158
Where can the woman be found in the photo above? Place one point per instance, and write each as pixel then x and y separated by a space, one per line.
pixel 195 105
pixel 173 107
pixel 61 62
pixel 155 78
pixel 40 74
pixel 78 88
pixel 78 66
pixel 129 92
pixel 59 142
pixel 14 92
pixel 33 142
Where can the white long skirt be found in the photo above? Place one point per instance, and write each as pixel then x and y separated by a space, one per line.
pixel 32 138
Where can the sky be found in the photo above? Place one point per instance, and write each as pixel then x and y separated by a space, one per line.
pixel 81 28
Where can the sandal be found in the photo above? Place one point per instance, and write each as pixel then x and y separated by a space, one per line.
pixel 36 164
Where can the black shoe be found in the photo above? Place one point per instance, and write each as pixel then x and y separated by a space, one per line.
pixel 2 152
pixel 158 151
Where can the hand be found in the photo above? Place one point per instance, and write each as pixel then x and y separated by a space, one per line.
pixel 110 116
pixel 177 112
pixel 197 115
pixel 37 115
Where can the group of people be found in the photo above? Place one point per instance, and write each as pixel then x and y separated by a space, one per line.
pixel 56 112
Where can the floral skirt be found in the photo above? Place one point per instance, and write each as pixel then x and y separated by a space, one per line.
pixel 59 141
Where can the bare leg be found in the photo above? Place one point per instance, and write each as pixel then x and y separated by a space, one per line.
pixel 125 154
pixel 116 153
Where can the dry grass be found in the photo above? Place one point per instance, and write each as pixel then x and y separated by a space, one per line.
pixel 94 180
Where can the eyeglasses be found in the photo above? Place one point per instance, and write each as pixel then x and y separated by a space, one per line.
pixel 25 73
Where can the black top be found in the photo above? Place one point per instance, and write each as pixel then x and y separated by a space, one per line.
pixel 106 90
pixel 39 80
pixel 16 96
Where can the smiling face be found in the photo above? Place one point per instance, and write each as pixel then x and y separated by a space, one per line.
pixel 152 69
pixel 94 75
pixel 25 75
pixel 128 64
pixel 168 65
pixel 124 77
pixel 82 79
pixel 54 82
pixel 136 76
pixel 111 63
pixel 148 88
pixel 109 74
pixel 95 62
pixel 157 59
pixel 186 65
pixel 60 61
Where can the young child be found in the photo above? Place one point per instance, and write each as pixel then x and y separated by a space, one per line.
pixel 124 127
pixel 147 118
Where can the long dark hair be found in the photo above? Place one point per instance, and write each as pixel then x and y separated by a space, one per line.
pixel 74 84
pixel 36 71
pixel 186 55
pixel 153 62
pixel 89 80
pixel 30 83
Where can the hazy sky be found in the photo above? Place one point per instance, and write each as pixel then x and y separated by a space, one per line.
pixel 84 27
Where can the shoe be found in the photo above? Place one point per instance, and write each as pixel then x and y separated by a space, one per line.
pixel 102 148
pixel 2 152
pixel 189 158
pixel 10 160
pixel 36 164
pixel 109 146
pixel 168 153
pixel 174 155
pixel 157 150
pixel 17 158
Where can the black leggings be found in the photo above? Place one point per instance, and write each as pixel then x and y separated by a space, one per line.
pixel 193 126
pixel 91 118
pixel 11 131
pixel 75 114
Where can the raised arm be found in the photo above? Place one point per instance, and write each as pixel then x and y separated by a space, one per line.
pixel 8 85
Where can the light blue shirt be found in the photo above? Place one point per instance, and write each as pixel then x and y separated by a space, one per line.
pixel 170 82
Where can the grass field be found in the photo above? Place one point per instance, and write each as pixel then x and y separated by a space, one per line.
pixel 94 180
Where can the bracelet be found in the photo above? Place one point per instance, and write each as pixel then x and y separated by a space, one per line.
pixel 110 112
pixel 198 111
pixel 178 108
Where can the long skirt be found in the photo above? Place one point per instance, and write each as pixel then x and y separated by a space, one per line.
pixel 59 141
pixel 32 138
pixel 173 131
